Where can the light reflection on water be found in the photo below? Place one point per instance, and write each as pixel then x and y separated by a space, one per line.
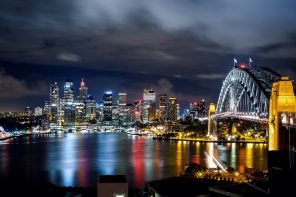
pixel 77 159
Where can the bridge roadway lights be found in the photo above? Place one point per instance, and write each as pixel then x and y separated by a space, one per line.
pixel 212 110
pixel 282 104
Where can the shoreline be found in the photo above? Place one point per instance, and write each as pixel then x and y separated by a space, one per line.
pixel 25 134
pixel 154 138
pixel 205 140
pixel 138 134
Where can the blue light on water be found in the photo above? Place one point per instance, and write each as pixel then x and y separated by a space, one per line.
pixel 67 176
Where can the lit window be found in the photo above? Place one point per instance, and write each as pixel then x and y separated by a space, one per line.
pixel 119 195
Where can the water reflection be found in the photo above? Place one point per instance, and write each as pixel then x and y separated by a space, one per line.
pixel 179 157
pixel 233 156
pixel 150 164
pixel 195 158
pixel 62 161
pixel 107 156
pixel 77 159
pixel 5 158
pixel 83 160
pixel 138 162
pixel 249 155
pixel 210 155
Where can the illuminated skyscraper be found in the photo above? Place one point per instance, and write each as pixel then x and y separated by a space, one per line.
pixel 28 111
pixel 54 93
pixel 193 110
pixel 107 109
pixel 163 105
pixel 202 110
pixel 122 109
pixel 122 99
pixel 69 108
pixel 172 109
pixel 38 111
pixel 149 110
pixel 69 114
pixel 68 92
pixel 79 112
pixel 178 111
pixel 82 90
pixel 138 110
pixel 46 109
pixel 91 108
pixel 54 102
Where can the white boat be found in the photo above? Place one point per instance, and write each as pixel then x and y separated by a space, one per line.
pixel 84 131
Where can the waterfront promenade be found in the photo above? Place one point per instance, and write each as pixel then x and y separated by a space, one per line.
pixel 11 135
pixel 208 140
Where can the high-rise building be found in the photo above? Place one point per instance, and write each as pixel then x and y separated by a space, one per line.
pixel 149 110
pixel 79 112
pixel 163 105
pixel 61 111
pixel 54 102
pixel 116 115
pixel 193 110
pixel 69 114
pixel 46 109
pixel 178 111
pixel 198 109
pixel 38 111
pixel 122 99
pixel 68 92
pixel 99 112
pixel 202 111
pixel 69 108
pixel 82 90
pixel 107 107
pixel 54 93
pixel 138 110
pixel 28 111
pixel 172 109
pixel 128 116
pixel 90 108
pixel 121 112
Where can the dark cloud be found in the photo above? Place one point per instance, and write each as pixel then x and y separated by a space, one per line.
pixel 168 44
pixel 210 76
pixel 68 57
pixel 11 87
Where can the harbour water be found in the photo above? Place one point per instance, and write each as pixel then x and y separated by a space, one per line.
pixel 76 159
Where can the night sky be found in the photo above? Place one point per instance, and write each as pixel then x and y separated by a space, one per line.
pixel 182 47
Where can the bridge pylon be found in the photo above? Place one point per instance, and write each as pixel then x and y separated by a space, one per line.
pixel 211 121
pixel 282 105
pixel 281 165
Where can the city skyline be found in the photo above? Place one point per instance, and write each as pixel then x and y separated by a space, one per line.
pixel 126 46
pixel 100 95
pixel 70 106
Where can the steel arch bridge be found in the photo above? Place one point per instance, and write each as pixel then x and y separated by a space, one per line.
pixel 246 91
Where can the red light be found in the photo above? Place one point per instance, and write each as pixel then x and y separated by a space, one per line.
pixel 242 66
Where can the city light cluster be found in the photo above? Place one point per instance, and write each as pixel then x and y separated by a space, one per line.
pixel 113 110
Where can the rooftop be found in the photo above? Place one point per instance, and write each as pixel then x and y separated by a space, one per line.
pixel 112 179
pixel 184 186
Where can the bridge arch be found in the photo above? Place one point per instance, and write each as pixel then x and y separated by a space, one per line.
pixel 247 90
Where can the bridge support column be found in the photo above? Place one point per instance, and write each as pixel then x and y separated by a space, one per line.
pixel 282 105
pixel 211 121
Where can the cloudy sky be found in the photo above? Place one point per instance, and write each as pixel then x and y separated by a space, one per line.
pixel 181 47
